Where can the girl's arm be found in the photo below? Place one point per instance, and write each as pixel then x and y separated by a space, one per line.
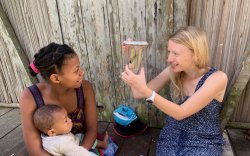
pixel 90 115
pixel 31 135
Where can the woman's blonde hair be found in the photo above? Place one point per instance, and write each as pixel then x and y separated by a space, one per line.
pixel 195 40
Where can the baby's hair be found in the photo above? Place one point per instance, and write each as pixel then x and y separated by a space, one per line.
pixel 43 117
pixel 49 59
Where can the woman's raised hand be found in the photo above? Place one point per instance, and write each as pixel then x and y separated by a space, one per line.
pixel 137 82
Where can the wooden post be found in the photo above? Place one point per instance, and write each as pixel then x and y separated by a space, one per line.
pixel 235 93
pixel 12 105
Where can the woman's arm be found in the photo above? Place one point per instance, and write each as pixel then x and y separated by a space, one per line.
pixel 213 88
pixel 31 135
pixel 90 115
pixel 160 81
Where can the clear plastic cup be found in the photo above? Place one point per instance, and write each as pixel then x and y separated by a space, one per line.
pixel 134 53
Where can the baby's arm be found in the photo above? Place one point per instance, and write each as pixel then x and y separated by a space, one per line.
pixel 69 147
pixel 64 145
pixel 75 150
pixel 72 149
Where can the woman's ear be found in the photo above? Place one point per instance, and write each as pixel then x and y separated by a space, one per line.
pixel 54 78
pixel 196 60
pixel 51 132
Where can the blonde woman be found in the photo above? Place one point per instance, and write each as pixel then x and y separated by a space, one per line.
pixel 197 92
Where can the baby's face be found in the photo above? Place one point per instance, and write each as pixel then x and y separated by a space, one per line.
pixel 62 122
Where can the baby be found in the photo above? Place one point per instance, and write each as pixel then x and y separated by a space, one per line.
pixel 55 125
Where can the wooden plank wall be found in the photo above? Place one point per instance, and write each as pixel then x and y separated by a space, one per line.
pixel 95 30
pixel 235 94
pixel 241 113
pixel 228 27
pixel 13 74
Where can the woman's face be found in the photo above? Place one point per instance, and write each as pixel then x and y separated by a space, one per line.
pixel 71 75
pixel 63 124
pixel 180 58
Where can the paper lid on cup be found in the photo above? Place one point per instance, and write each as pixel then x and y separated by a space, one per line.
pixel 139 43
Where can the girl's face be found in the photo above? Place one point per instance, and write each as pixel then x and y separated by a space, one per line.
pixel 180 58
pixel 63 124
pixel 71 75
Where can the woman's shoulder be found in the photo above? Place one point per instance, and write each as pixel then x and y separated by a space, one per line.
pixel 26 100
pixel 219 74
pixel 218 77
pixel 86 82
pixel 25 95
pixel 87 87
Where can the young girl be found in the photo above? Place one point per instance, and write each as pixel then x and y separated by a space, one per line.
pixel 64 86
pixel 197 90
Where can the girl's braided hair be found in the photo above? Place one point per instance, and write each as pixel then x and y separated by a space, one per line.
pixel 49 59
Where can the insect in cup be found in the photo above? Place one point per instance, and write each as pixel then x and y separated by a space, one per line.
pixel 134 53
